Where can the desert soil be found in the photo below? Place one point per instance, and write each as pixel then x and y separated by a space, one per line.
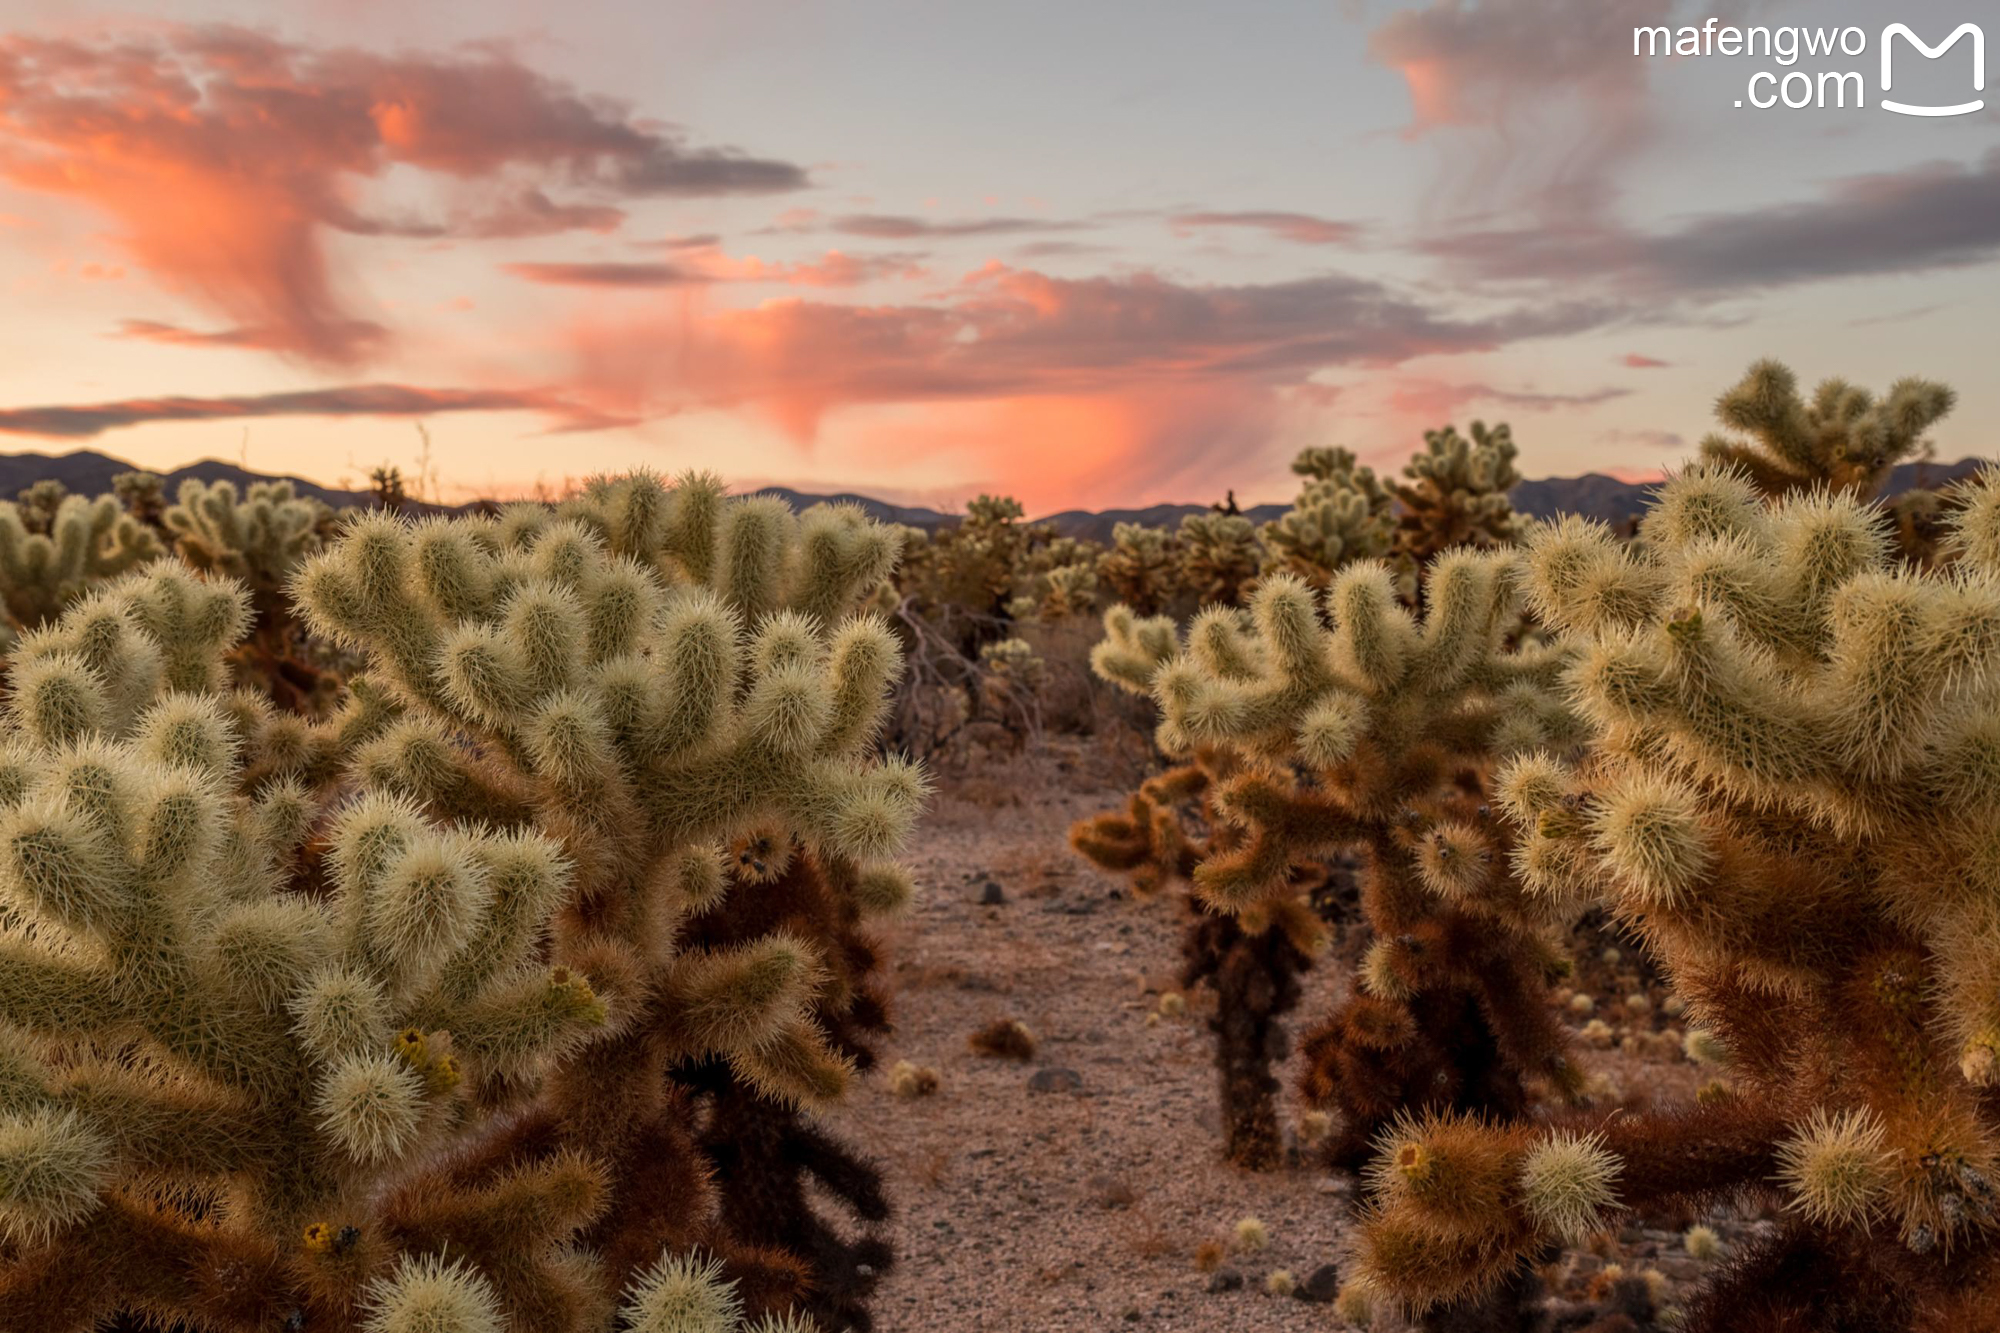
pixel 1083 1206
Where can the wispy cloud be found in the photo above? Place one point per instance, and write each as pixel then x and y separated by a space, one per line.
pixel 83 420
pixel 1299 228
pixel 1541 79
pixel 910 227
pixel 1439 400
pixel 603 275
pixel 1933 216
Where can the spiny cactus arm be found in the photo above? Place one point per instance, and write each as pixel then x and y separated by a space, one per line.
pixel 842 554
pixel 1288 825
pixel 133 1257
pixel 514 1232
pixel 1133 649
pixel 45 994
pixel 1456 1205
pixel 1210 699
pixel 415 758
pixel 1149 840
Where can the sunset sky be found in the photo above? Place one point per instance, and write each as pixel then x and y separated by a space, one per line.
pixel 1089 252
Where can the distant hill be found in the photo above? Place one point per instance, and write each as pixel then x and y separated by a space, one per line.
pixel 1593 495
pixel 1098 526
pixel 87 472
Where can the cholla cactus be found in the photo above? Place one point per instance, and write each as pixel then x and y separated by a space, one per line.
pixel 143 495
pixel 1844 439
pixel 1792 797
pixel 657 679
pixel 1342 514
pixel 1368 737
pixel 1219 557
pixel 49 560
pixel 1455 493
pixel 39 504
pixel 1057 579
pixel 210 1083
pixel 1389 721
pixel 259 539
pixel 1142 567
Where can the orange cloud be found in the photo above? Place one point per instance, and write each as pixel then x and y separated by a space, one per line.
pixel 226 156
pixel 1080 382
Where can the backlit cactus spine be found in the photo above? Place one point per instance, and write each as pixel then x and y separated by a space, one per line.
pixel 661 680
pixel 1793 795
pixel 209 1080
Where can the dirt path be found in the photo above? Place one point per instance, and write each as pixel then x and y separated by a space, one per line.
pixel 1069 1209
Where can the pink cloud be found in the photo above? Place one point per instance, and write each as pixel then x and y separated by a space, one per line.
pixel 226 156
pixel 1637 361
pixel 1437 401
pixel 1139 351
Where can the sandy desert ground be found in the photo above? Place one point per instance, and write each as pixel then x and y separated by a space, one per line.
pixel 1072 1191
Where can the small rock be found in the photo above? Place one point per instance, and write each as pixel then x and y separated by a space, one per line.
pixel 1320 1286
pixel 1056 1079
pixel 1226 1279
pixel 991 894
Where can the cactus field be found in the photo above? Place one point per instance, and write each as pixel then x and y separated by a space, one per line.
pixel 654 909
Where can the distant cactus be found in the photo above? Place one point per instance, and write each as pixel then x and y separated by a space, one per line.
pixel 260 539
pixel 40 502
pixel 1142 568
pixel 1371 736
pixel 1057 579
pixel 1220 555
pixel 143 495
pixel 667 683
pixel 51 556
pixel 1342 514
pixel 1843 438
pixel 1455 493
pixel 1791 796
pixel 210 1081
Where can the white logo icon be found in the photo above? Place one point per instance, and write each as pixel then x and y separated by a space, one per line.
pixel 1895 30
